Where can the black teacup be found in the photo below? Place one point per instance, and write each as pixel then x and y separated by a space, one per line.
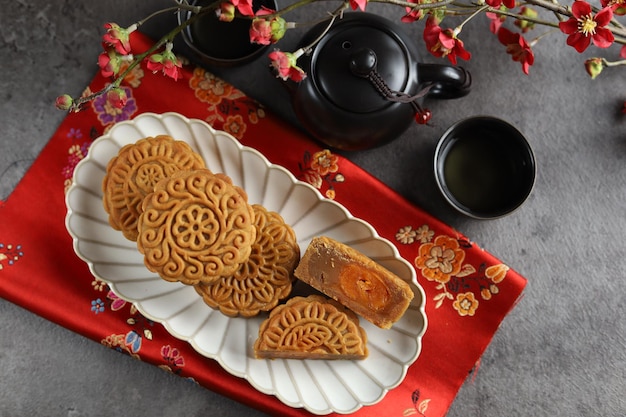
pixel 484 167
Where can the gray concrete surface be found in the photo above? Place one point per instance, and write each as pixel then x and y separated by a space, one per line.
pixel 561 352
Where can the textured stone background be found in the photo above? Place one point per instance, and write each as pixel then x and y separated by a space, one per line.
pixel 562 351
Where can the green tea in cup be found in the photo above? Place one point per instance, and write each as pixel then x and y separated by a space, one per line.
pixel 484 167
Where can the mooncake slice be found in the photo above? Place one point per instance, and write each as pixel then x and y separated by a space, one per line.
pixel 265 278
pixel 354 280
pixel 134 172
pixel 312 327
pixel 196 227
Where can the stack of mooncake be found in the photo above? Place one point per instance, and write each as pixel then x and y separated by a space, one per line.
pixel 196 227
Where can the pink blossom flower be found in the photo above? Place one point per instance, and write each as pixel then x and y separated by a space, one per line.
pixel 285 65
pixel 265 30
pixel 109 63
pixel 260 31
pixel 118 38
pixel 244 7
pixel 166 61
pixel 444 42
pixel 583 27
pixel 517 47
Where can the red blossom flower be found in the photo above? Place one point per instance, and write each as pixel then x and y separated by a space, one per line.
pixel 444 42
pixel 166 61
pixel 285 65
pixel 244 7
pixel 618 6
pixel 412 14
pixel 118 37
pixel 583 27
pixel 358 4
pixel 109 63
pixel 622 52
pixel 517 46
pixel 497 3
pixel 624 108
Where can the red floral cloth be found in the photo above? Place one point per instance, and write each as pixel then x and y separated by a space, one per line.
pixel 468 291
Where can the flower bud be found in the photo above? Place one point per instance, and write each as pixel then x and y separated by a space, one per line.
pixel 64 102
pixel 594 67
pixel 279 27
pixel 117 98
pixel 525 25
pixel 226 12
pixel 118 37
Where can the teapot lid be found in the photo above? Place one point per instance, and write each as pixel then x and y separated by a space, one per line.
pixel 355 45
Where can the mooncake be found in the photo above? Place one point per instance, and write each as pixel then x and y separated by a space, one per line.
pixel 312 327
pixel 132 174
pixel 196 227
pixel 265 278
pixel 354 280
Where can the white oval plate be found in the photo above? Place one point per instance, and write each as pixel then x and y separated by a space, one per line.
pixel 321 387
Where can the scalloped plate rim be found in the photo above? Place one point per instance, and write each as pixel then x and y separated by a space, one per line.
pixel 214 132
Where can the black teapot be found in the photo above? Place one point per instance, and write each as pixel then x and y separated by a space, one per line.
pixel 365 82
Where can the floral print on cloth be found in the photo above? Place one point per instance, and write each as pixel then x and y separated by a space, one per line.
pixel 108 114
pixel 137 330
pixel 9 254
pixel 321 170
pixel 442 260
pixel 228 108
pixel 468 291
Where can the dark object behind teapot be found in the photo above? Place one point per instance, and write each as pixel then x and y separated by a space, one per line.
pixel 341 107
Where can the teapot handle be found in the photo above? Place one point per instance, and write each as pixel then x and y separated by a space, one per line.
pixel 447 81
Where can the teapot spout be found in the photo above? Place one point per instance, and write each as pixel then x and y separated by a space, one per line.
pixel 447 81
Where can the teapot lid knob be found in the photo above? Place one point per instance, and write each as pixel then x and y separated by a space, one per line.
pixel 354 47
pixel 363 62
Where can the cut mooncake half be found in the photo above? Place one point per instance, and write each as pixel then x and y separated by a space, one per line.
pixel 312 327
pixel 354 280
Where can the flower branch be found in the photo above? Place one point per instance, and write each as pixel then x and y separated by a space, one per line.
pixel 582 24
